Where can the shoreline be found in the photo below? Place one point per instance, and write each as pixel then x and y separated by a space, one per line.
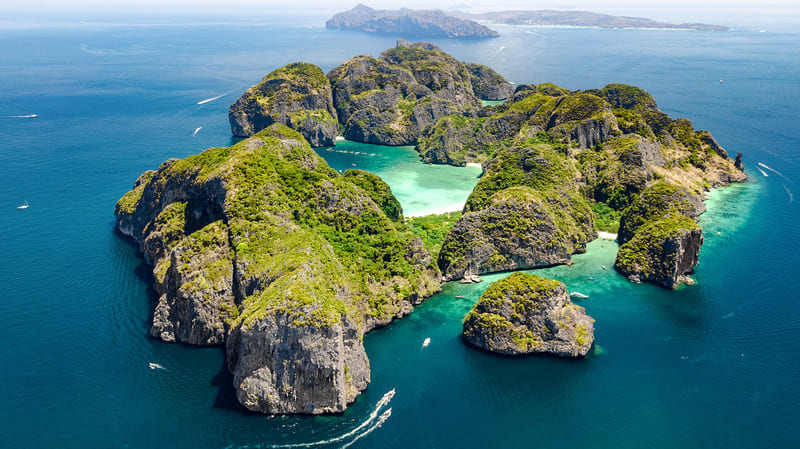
pixel 458 207
pixel 606 235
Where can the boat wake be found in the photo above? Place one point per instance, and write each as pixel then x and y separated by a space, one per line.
pixel 791 198
pixel 763 172
pixel 209 100
pixel 194 134
pixel 20 116
pixel 773 171
pixel 498 52
pixel 373 421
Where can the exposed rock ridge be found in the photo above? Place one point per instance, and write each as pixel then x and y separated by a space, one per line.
pixel 525 314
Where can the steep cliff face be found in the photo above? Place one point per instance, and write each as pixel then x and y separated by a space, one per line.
pixel 419 23
pixel 390 100
pixel 525 314
pixel 264 248
pixel 662 252
pixel 297 95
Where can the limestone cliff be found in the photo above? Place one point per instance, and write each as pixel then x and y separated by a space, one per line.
pixel 408 22
pixel 525 314
pixel 297 95
pixel 601 146
pixel 662 252
pixel 264 248
pixel 391 99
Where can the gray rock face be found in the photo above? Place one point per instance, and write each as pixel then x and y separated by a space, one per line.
pixel 488 84
pixel 525 314
pixel 663 252
pixel 280 367
pixel 297 95
pixel 518 230
pixel 419 23
pixel 658 201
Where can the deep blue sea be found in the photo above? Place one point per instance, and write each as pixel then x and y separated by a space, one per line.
pixel 713 365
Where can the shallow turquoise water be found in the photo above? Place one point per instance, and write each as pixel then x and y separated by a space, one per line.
pixel 714 365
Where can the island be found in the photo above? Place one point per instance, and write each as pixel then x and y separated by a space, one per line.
pixel 547 17
pixel 524 314
pixel 408 22
pixel 263 249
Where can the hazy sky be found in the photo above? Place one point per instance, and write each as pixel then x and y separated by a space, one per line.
pixel 709 11
pixel 222 5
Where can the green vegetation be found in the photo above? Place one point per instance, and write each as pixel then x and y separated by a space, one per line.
pixel 324 245
pixel 432 229
pixel 605 218
pixel 647 254
pixel 656 202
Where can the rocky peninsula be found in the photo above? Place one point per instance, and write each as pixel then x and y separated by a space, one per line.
pixel 408 22
pixel 547 17
pixel 265 250
pixel 525 314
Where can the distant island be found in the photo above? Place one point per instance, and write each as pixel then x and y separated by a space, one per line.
pixel 437 23
pixel 408 22
pixel 547 17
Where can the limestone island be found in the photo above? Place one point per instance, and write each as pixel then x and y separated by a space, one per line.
pixel 263 249
pixel 408 22
pixel 525 314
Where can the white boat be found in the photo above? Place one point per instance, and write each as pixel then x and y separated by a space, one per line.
pixel 426 342
pixel 23 206
pixel 578 295
pixel 155 366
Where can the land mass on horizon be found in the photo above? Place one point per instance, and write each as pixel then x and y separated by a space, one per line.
pixel 457 24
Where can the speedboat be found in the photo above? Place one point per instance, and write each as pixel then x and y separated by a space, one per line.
pixel 578 295
pixel 23 206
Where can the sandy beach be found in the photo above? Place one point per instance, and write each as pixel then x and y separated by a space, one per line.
pixel 606 235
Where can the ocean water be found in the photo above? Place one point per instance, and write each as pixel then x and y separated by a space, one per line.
pixel 713 365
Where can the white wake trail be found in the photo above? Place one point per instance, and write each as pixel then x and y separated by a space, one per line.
pixel 20 116
pixel 774 171
pixel 379 423
pixel 208 100
pixel 763 172
pixel 383 402
pixel 791 198
pixel 194 134
pixel 498 52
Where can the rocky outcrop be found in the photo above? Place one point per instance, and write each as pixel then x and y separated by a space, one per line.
pixel 662 252
pixel 525 314
pixel 408 22
pixel 488 84
pixel 391 99
pixel 264 248
pixel 520 228
pixel 297 95
pixel 661 200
